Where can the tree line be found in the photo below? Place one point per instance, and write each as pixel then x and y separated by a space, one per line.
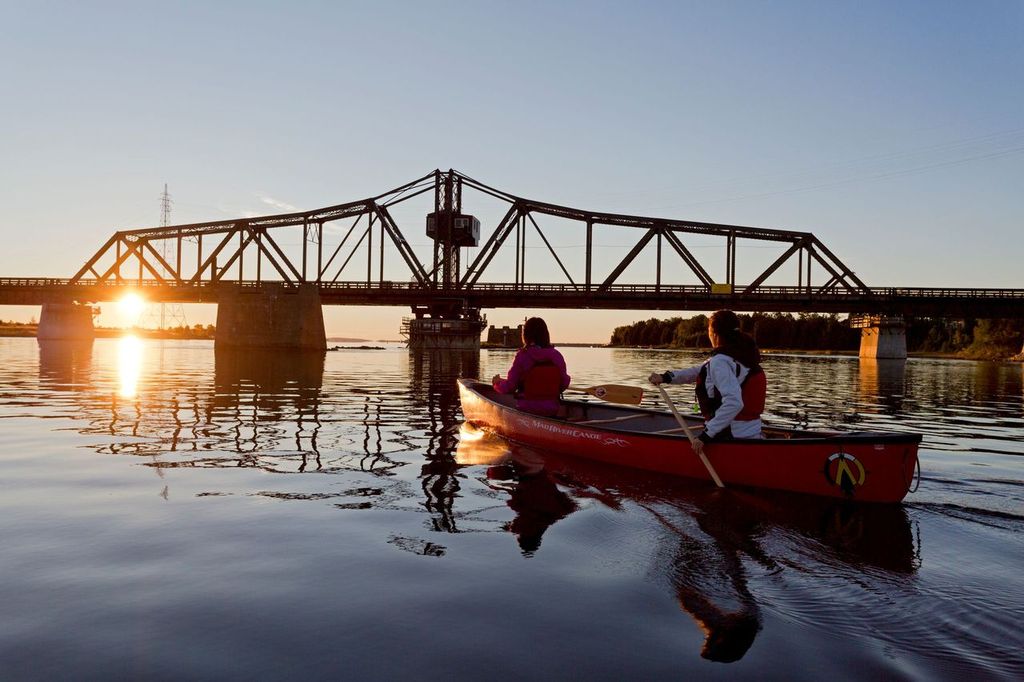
pixel 997 338
pixel 196 331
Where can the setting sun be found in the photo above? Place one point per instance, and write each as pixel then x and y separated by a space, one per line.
pixel 130 307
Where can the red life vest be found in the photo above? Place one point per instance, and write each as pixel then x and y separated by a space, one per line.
pixel 543 381
pixel 753 391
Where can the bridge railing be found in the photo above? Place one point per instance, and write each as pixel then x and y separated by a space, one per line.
pixel 32 281
pixel 540 288
pixel 942 292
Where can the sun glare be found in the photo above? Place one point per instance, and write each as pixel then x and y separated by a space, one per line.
pixel 130 307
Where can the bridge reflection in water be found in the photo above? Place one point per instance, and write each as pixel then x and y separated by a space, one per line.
pixel 261 409
pixel 264 389
pixel 268 410
pixel 708 538
pixel 437 410
pixel 882 383
pixel 65 365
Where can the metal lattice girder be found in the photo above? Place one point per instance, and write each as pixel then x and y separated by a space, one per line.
pixel 233 239
pixel 491 247
pixel 133 240
pixel 671 229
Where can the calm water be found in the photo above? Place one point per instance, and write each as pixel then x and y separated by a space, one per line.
pixel 171 513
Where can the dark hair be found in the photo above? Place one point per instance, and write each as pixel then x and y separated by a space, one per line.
pixel 737 344
pixel 535 331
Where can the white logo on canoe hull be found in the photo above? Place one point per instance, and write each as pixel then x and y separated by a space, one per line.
pixel 571 432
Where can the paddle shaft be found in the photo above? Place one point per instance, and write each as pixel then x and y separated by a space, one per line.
pixel 689 434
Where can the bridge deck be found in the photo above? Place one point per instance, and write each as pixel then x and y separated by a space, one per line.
pixel 919 301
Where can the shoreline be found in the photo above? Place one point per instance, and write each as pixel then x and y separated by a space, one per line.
pixel 29 331
pixel 849 353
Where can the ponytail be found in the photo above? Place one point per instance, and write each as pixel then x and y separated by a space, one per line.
pixel 735 343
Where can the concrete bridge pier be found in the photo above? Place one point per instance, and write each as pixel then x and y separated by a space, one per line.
pixel 272 315
pixel 881 337
pixel 66 322
pixel 444 326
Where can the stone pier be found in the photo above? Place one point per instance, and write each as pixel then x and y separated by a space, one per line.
pixel 881 337
pixel 66 322
pixel 273 315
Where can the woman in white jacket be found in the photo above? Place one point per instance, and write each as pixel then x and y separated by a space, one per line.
pixel 730 385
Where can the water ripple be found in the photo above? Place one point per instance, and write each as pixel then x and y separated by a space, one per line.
pixel 199 499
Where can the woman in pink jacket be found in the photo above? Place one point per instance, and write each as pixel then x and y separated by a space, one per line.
pixel 537 376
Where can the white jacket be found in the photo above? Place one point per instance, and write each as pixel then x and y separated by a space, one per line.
pixel 723 380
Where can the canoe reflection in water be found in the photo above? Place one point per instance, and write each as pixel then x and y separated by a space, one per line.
pixel 534 495
pixel 707 537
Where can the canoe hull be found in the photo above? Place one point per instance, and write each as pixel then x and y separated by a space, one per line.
pixel 867 467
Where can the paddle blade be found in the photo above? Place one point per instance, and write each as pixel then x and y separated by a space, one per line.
pixel 616 393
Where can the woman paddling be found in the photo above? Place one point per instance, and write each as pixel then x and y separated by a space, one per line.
pixel 537 376
pixel 730 384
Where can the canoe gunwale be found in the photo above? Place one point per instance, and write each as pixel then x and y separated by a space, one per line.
pixel 796 437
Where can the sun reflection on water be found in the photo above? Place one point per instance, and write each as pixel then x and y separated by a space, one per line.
pixel 129 365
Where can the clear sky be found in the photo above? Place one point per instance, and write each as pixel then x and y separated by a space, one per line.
pixel 894 131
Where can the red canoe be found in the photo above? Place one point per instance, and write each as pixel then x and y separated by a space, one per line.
pixel 864 466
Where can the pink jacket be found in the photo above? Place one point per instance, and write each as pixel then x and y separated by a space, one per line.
pixel 525 359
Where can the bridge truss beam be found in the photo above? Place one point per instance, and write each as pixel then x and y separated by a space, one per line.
pixel 252 240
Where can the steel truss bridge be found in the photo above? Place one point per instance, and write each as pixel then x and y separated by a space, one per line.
pixel 342 251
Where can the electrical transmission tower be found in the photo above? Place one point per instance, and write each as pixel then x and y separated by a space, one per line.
pixel 170 314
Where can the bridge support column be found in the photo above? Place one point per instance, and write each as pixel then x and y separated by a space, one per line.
pixel 271 316
pixel 881 337
pixel 448 327
pixel 66 321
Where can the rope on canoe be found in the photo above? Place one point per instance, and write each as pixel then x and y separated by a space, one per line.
pixel 915 477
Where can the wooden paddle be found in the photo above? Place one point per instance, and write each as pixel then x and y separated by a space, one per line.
pixel 689 434
pixel 613 393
